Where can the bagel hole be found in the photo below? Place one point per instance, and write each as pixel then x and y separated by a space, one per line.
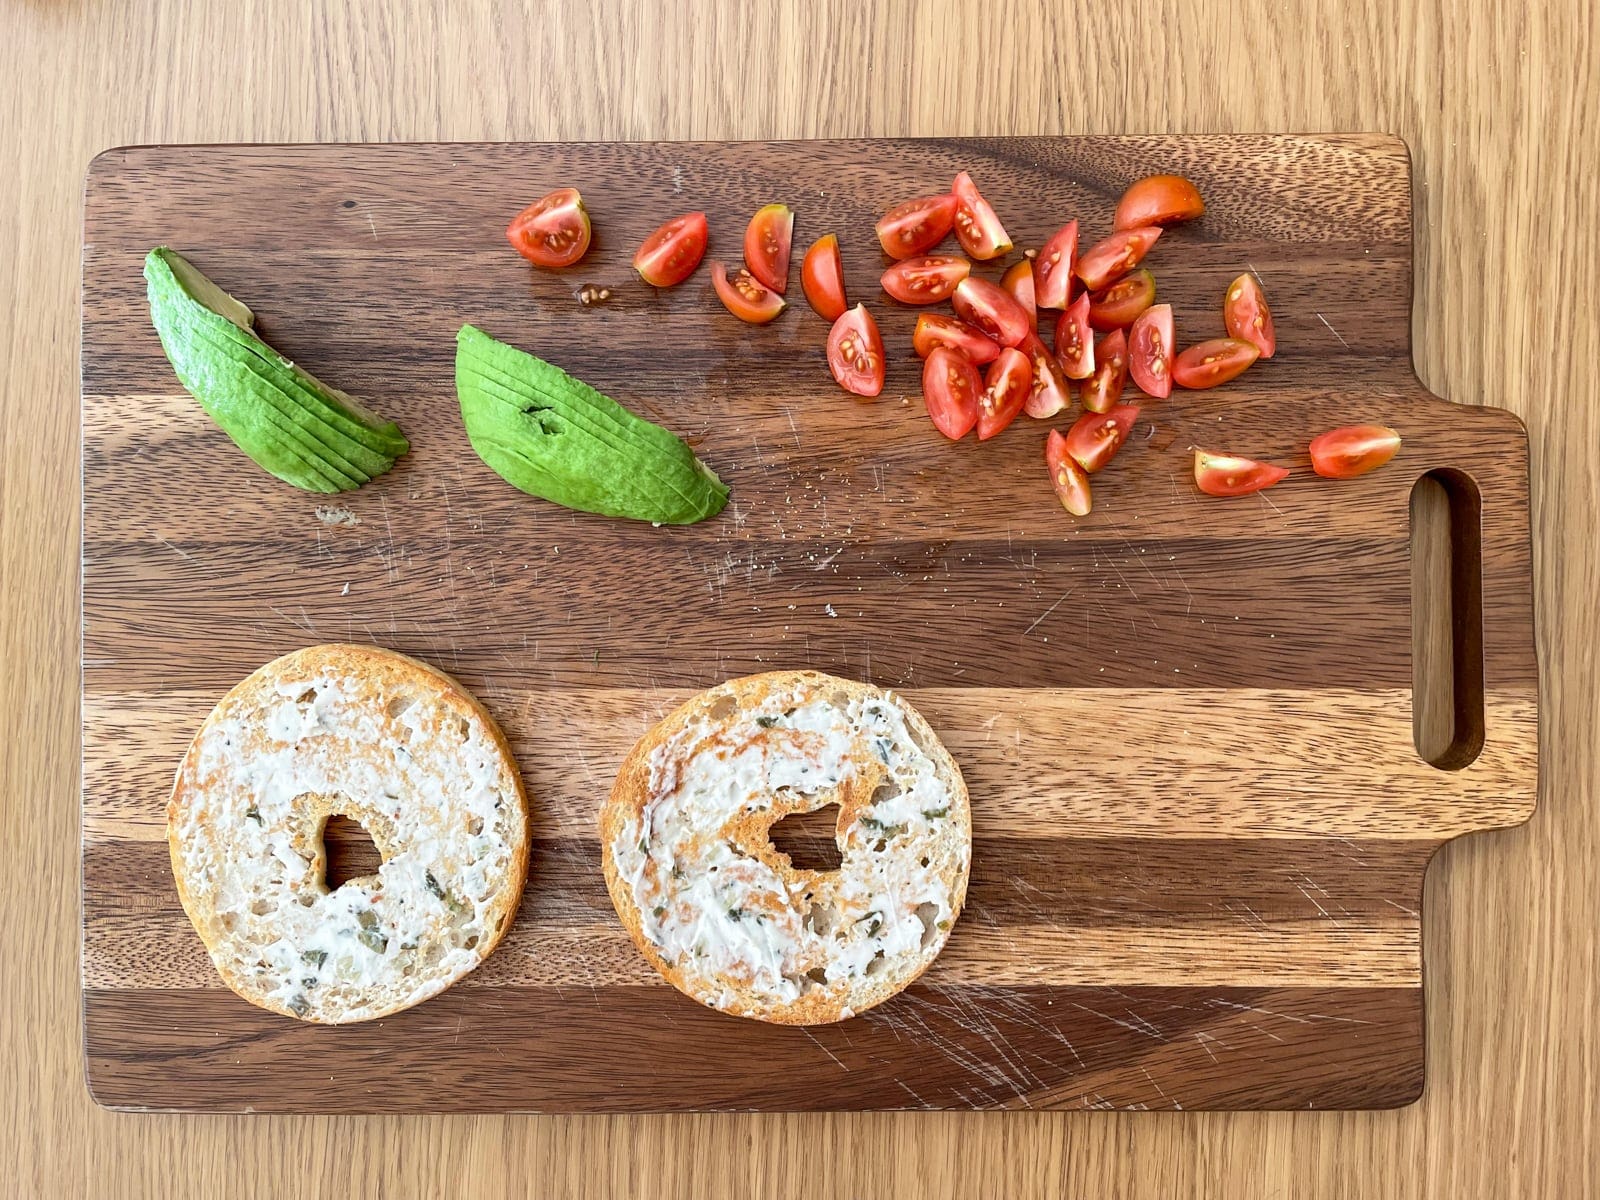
pixel 475 826
pixel 261 908
pixel 463 729
pixel 722 707
pixel 875 965
pixel 308 696
pixel 818 975
pixel 928 914
pixel 811 839
pixel 399 703
pixel 348 852
pixel 820 920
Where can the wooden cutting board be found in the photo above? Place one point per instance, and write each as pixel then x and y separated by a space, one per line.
pixel 1200 820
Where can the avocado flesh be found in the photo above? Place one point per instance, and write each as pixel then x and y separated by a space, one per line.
pixel 554 436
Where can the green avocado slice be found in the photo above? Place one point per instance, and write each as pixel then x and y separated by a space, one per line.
pixel 554 436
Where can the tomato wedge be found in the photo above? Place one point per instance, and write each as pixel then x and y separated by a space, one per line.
pixel 1150 351
pixel 671 253
pixel 1247 316
pixel 1074 343
pixel 1052 270
pixel 977 228
pixel 1213 362
pixel 1095 438
pixel 552 231
pixel 1353 450
pixel 916 226
pixel 822 278
pixel 766 246
pixel 1018 281
pixel 991 311
pixel 855 352
pixel 744 296
pixel 927 279
pixel 1047 394
pixel 934 329
pixel 1108 261
pixel 1103 389
pixel 1225 475
pixel 1118 306
pixel 1005 390
pixel 950 388
pixel 1159 200
pixel 1066 476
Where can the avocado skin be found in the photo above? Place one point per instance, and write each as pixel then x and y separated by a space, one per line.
pixel 555 437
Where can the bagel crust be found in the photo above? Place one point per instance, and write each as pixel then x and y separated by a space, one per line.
pixel 388 742
pixel 722 913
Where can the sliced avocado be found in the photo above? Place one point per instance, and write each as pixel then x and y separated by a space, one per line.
pixel 554 436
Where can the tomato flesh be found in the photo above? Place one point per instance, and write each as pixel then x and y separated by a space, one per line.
pixel 977 228
pixel 1006 389
pixel 933 330
pixel 822 278
pixel 744 296
pixel 855 352
pixel 1159 200
pixel 1225 475
pixel 1074 343
pixel 1018 281
pixel 1047 393
pixel 671 253
pixel 1103 389
pixel 1119 305
pixel 1150 351
pixel 1353 450
pixel 1108 261
pixel 766 246
pixel 553 231
pixel 1247 316
pixel 1052 271
pixel 992 311
pixel 1213 362
pixel 951 388
pixel 1095 438
pixel 1070 481
pixel 926 279
pixel 916 226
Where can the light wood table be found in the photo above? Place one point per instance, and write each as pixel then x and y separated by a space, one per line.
pixel 1501 108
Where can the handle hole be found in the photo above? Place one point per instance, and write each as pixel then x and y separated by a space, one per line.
pixel 1446 619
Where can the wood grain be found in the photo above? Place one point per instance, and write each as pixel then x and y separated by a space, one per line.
pixel 1499 108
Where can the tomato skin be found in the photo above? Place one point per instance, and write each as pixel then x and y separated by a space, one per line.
pixel 1103 389
pixel 1150 351
pixel 1053 279
pixel 822 278
pixel 1106 262
pixel 671 253
pixel 1095 438
pixel 553 231
pixel 1018 281
pixel 951 388
pixel 1006 388
pixel 933 329
pixel 990 310
pixel 1159 200
pixel 1224 475
pixel 1074 342
pixel 977 228
pixel 1213 362
pixel 1047 393
pixel 1119 305
pixel 767 240
pixel 1247 316
pixel 745 297
pixel 916 226
pixel 1066 476
pixel 855 352
pixel 1353 450
pixel 927 279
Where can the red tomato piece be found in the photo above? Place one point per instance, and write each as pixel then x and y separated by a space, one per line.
pixel 1247 316
pixel 855 352
pixel 1159 200
pixel 936 330
pixel 1074 343
pixel 1353 450
pixel 951 388
pixel 1095 438
pixel 1066 476
pixel 1224 475
pixel 671 253
pixel 1103 389
pixel 744 296
pixel 1006 389
pixel 766 246
pixel 1150 351
pixel 927 279
pixel 1213 362
pixel 916 226
pixel 990 310
pixel 1108 261
pixel 822 278
pixel 1048 392
pixel 1018 280
pixel 1118 306
pixel 977 228
pixel 1053 279
pixel 552 231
